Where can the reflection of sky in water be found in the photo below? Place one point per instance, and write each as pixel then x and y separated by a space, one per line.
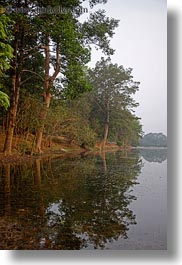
pixel 150 209
pixel 109 201
pixel 55 213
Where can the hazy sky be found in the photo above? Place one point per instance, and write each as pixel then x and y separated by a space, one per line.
pixel 140 42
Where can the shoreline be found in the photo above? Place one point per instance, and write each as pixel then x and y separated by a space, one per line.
pixel 71 152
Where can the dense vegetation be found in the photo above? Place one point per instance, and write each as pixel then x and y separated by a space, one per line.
pixel 52 91
pixel 154 139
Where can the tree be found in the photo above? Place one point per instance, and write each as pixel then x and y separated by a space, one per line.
pixel 70 41
pixel 154 139
pixel 113 103
pixel 15 84
pixel 64 43
pixel 126 129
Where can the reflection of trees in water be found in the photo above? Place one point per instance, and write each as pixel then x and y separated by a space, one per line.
pixel 154 155
pixel 75 203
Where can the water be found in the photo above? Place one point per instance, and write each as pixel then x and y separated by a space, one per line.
pixel 109 201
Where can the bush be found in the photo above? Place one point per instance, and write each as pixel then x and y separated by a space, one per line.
pixel 120 143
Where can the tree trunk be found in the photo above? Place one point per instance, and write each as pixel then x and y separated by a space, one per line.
pixel 10 130
pixel 106 127
pixel 15 88
pixel 46 99
pixel 48 85
pixel 40 130
pixel 4 120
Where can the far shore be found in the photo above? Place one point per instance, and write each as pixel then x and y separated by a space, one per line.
pixel 149 147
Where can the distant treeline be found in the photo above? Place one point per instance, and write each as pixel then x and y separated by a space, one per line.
pixel 154 139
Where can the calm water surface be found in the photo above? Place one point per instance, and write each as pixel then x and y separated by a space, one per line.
pixel 109 201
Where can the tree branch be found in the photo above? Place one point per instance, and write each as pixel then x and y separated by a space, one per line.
pixel 32 72
pixel 57 69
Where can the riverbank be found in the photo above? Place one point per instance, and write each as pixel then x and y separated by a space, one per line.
pixel 58 148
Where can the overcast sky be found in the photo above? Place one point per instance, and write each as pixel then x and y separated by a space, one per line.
pixel 140 42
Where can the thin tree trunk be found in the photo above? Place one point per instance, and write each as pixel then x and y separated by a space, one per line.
pixel 15 89
pixel 106 127
pixel 46 99
pixel 48 85
pixel 11 126
pixel 40 130
pixel 4 120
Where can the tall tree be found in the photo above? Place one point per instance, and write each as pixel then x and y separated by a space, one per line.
pixel 16 73
pixel 70 40
pixel 113 90
pixel 64 43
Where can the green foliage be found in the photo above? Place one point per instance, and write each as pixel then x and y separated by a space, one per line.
pixel 113 88
pixel 68 120
pixel 95 30
pixel 4 100
pixel 6 51
pixel 27 118
pixel 64 30
pixel 120 143
pixel 73 116
pixel 74 40
pixel 6 54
